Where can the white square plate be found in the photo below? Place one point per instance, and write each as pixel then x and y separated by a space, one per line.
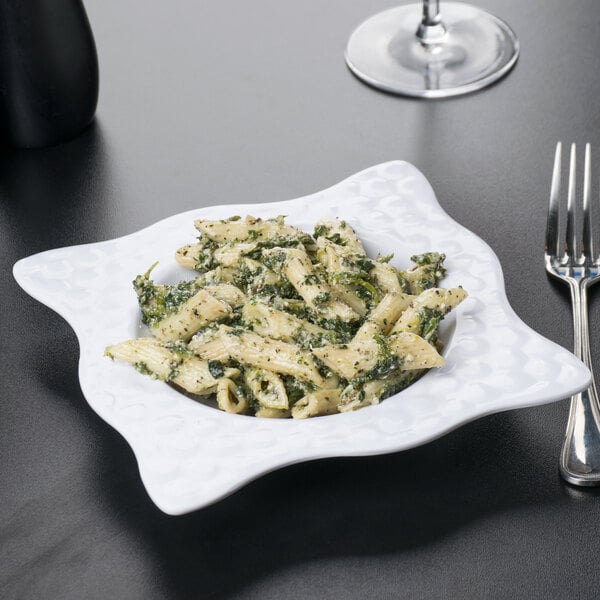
pixel 191 454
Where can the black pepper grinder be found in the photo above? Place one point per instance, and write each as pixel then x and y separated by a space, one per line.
pixel 48 71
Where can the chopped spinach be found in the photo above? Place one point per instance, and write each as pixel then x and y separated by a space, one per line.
pixel 216 368
pixel 158 301
pixel 296 389
pixel 430 319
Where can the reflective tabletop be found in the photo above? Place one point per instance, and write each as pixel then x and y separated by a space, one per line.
pixel 245 102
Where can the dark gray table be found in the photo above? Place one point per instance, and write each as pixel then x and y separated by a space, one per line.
pixel 221 102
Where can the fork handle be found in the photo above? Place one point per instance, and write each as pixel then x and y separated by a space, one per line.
pixel 580 456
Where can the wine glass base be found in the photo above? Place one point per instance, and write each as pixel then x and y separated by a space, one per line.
pixel 476 50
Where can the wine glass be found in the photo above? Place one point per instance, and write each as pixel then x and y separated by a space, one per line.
pixel 414 50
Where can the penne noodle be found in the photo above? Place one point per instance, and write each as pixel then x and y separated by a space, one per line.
pixel 148 356
pixel 370 393
pixel 386 277
pixel 187 256
pixel 359 358
pixel 230 255
pixel 272 413
pixel 340 233
pixel 317 294
pixel 277 324
pixel 194 376
pixel 267 388
pixel 381 319
pixel 254 350
pixel 322 402
pixel 227 293
pixel 229 397
pixel 240 230
pixel 441 300
pixel 167 364
pixel 201 309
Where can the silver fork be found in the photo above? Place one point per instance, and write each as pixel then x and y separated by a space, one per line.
pixel 577 266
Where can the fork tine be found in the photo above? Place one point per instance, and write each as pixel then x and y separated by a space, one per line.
pixel 588 243
pixel 552 244
pixel 571 234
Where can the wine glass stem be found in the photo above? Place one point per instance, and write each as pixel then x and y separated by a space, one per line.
pixel 431 29
pixel 431 12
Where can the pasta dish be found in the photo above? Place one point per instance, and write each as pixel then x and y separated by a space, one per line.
pixel 280 323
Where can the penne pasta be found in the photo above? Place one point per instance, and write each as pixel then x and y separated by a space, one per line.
pixel 250 228
pixel 381 319
pixel 279 324
pixel 272 413
pixel 357 359
pixel 147 355
pixel 229 397
pixel 267 388
pixel 426 272
pixel 200 310
pixel 387 278
pixel 248 348
pixel 417 316
pixel 188 255
pixel 317 294
pixel 370 393
pixel 227 293
pixel 168 364
pixel 322 402
pixel 340 233
pixel 230 254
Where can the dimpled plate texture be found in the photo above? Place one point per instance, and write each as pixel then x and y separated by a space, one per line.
pixel 191 454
